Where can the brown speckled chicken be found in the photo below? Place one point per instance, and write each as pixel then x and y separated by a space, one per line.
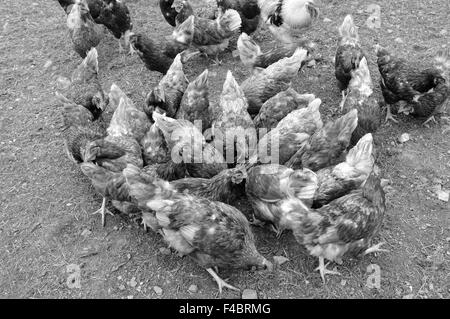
pixel 128 126
pixel 154 147
pixel 247 9
pixel 425 90
pixel 195 102
pixel 348 55
pixel 115 16
pixel 337 181
pixel 327 145
pixel 269 186
pixel 187 144
pixel 252 57
pixel 291 133
pixel 277 107
pixel 285 17
pixel 214 234
pixel 84 32
pixel 226 187
pixel 158 55
pixel 360 97
pixel 168 93
pixel 208 36
pixel 264 84
pixel 233 129
pixel 347 225
pixel 85 88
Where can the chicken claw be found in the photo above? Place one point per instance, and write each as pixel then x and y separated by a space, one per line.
pixel 430 119
pixel 389 115
pixel 323 269
pixel 375 249
pixel 103 211
pixel 220 282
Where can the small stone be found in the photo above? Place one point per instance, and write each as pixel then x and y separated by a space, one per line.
pixel 404 138
pixel 132 283
pixel 86 232
pixel 69 204
pixel 193 289
pixel 409 296
pixel 164 251
pixel 443 195
pixel 249 294
pixel 62 83
pixel 119 277
pixel 343 282
pixel 157 290
pixel 447 239
pixel 390 31
pixel 443 32
pixel 280 260
pixel 437 181
pixel 326 20
pixel 398 40
pixel 423 179
pixel 121 287
pixel 48 64
pixel 311 63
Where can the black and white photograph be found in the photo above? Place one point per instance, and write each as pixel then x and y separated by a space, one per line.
pixel 261 150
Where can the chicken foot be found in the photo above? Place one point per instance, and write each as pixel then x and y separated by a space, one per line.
pixel 220 282
pixel 103 211
pixel 375 249
pixel 389 115
pixel 323 269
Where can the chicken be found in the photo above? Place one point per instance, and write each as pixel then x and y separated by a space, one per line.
pixel 269 186
pixel 194 105
pixel 277 107
pixel 128 126
pixel 286 16
pixel 85 88
pixel 347 225
pixel 154 147
pixel 173 16
pixel 337 181
pixel 158 55
pixel 233 129
pixel 80 128
pixel 115 16
pixel 226 187
pixel 168 171
pixel 348 55
pixel 84 32
pixel 263 85
pixel 208 36
pixel 252 56
pixel 214 234
pixel 94 6
pixel 169 92
pixel 290 134
pixel 248 11
pixel 187 144
pixel 424 89
pixel 327 145
pixel 360 97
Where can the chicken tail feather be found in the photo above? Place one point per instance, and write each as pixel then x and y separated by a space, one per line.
pixel 248 49
pixel 348 29
pixel 230 21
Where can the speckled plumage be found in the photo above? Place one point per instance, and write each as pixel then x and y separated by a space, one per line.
pixel 248 10
pixel 116 17
pixel 264 84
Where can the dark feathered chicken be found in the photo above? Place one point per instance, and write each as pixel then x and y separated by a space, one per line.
pixel 213 233
pixel 116 17
pixel 157 55
pixel 327 145
pixel 247 9
pixel 346 225
pixel 173 16
pixel 360 97
pixel 94 6
pixel 348 55
pixel 424 89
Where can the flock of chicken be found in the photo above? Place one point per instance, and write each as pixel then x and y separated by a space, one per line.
pixel 152 162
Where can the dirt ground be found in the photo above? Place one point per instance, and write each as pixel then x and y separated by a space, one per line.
pixel 45 203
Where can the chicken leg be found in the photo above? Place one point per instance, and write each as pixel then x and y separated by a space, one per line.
pixel 323 270
pixel 344 98
pixel 103 211
pixel 389 115
pixel 220 282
